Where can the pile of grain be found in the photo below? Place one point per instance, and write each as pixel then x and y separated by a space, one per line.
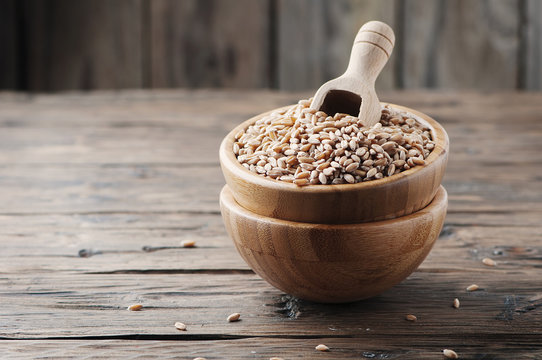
pixel 305 146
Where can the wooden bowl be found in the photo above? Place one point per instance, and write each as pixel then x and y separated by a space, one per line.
pixel 374 200
pixel 333 263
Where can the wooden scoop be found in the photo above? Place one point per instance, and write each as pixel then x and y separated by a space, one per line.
pixel 354 92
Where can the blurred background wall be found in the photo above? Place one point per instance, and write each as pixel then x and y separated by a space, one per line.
pixel 51 45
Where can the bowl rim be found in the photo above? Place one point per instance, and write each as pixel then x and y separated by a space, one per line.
pixel 229 160
pixel 437 202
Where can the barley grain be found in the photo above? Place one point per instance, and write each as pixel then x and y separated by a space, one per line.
pixel 489 262
pixel 188 243
pixel 180 326
pixel 450 354
pixel 372 172
pixel 472 287
pixel 301 182
pixel 391 170
pixel 302 138
pixel 349 178
pixel 328 171
pixel 234 317
pixel 353 166
pixel 303 175
pixel 418 161
pixel 456 303
pixel 411 317
pixel 322 347
pixel 380 162
pixel 322 178
pixel 135 307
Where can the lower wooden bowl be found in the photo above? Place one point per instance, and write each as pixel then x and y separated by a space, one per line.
pixel 333 263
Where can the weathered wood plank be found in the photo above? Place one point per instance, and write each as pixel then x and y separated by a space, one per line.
pixel 69 305
pixel 264 348
pixel 315 39
pixel 212 43
pixel 178 189
pixel 118 196
pixel 61 190
pixel 91 44
pixel 9 45
pixel 41 129
pixel 460 44
pixel 531 36
pixel 295 45
pixel 165 107
pixel 461 248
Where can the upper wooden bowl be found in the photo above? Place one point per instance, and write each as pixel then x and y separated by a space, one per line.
pixel 333 263
pixel 374 200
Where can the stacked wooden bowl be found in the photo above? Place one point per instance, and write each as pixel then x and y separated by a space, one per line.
pixel 335 243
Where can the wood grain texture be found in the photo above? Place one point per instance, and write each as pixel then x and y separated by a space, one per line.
pixel 291 45
pixel 315 38
pixel 10 42
pixel 83 44
pixel 333 263
pixel 386 198
pixel 459 44
pixel 531 36
pixel 211 43
pixel 70 169
pixel 364 348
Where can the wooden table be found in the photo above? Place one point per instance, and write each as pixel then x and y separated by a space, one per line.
pixel 98 190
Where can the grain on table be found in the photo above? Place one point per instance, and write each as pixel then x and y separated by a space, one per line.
pixel 180 326
pixel 234 317
pixel 489 262
pixel 450 354
pixel 188 243
pixel 135 307
pixel 456 303
pixel 322 347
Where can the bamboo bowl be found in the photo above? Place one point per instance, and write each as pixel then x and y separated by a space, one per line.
pixel 333 263
pixel 374 200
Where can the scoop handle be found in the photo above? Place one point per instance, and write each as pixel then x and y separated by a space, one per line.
pixel 371 50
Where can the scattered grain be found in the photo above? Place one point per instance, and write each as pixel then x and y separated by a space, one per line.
pixel 275 358
pixel 411 317
pixel 180 326
pixel 234 317
pixel 200 358
pixel 188 243
pixel 135 307
pixel 450 354
pixel 472 287
pixel 489 262
pixel 322 347
pixel 456 303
